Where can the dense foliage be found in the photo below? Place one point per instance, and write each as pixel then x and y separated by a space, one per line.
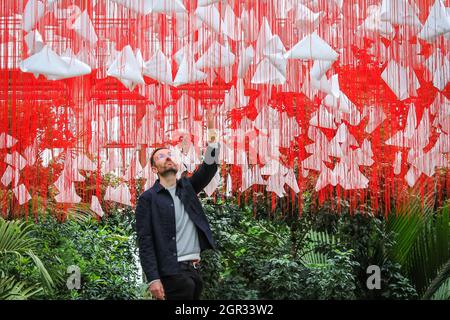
pixel 262 255
pixel 321 256
pixel 104 252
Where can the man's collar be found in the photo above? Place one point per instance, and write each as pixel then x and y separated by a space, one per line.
pixel 158 186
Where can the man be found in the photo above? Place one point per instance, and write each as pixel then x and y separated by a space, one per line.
pixel 172 229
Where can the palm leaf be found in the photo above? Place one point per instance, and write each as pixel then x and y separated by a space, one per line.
pixel 11 289
pixel 80 213
pixel 422 245
pixel 443 293
pixel 47 279
pixel 16 238
pixel 407 224
pixel 440 279
pixel 310 255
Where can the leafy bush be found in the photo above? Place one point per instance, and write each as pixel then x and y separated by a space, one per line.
pixel 18 251
pixel 394 284
pixel 369 238
pixel 283 278
pixel 318 255
pixel 334 280
pixel 105 252
pixel 255 260
pixel 261 254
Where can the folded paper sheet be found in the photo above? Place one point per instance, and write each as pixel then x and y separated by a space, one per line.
pixel 438 22
pixel 34 42
pixel 21 193
pixel 159 68
pixel 402 81
pixel 7 141
pixel 10 175
pixel 188 73
pixel 312 47
pixel 167 6
pixel 120 194
pixel 96 206
pixel 210 16
pixel 216 56
pixel 329 95
pixel 127 69
pixel 84 28
pixel 400 12
pixel 34 11
pixel 54 67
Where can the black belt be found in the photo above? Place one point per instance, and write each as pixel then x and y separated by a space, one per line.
pixel 191 263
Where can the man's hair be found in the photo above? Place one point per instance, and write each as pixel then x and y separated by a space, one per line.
pixel 152 157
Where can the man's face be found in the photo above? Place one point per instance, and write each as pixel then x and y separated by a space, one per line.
pixel 164 164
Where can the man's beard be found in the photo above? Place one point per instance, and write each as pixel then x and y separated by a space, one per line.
pixel 168 171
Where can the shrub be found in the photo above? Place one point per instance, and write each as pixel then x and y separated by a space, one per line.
pixel 334 280
pixel 105 252
pixel 19 258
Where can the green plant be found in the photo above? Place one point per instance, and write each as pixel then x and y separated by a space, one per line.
pixel 334 280
pixel 262 254
pixel 443 293
pixel 367 234
pixel 282 278
pixel 105 252
pixel 258 258
pixel 422 245
pixel 317 244
pixel 11 289
pixel 394 285
pixel 18 246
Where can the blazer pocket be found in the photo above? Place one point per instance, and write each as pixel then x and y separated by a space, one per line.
pixel 161 207
pixel 166 216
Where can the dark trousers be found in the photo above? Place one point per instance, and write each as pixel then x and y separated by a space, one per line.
pixel 187 285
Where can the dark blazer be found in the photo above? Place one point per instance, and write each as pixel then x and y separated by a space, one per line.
pixel 155 221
